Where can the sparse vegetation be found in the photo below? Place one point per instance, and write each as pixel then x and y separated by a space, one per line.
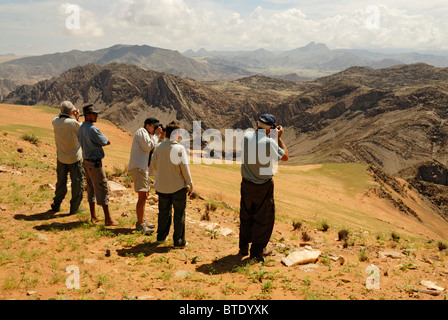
pixel 31 138
pixel 395 236
pixel 211 205
pixel 205 216
pixel 120 263
pixel 324 226
pixel 363 255
pixel 213 233
pixel 343 234
pixel 442 245
pixel 305 236
pixel 297 225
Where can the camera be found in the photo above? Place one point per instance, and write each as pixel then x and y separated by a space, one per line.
pixel 159 125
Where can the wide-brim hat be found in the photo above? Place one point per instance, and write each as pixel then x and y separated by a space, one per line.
pixel 90 109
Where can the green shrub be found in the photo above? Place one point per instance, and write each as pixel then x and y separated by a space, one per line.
pixel 32 138
pixel 343 234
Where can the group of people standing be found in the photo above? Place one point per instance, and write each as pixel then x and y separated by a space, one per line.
pixel 80 154
pixel 151 151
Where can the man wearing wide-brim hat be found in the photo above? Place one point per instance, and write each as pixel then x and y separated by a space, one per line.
pixel 92 142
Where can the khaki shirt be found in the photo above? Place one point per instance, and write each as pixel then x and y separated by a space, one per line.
pixel 171 176
pixel 68 149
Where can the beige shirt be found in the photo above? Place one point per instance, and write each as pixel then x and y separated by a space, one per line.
pixel 142 144
pixel 171 176
pixel 68 149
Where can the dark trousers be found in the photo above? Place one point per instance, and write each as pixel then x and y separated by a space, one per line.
pixel 257 216
pixel 76 172
pixel 168 202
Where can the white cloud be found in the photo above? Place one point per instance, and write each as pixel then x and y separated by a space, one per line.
pixel 79 22
pixel 181 25
pixel 184 24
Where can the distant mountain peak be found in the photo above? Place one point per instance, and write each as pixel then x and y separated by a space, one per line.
pixel 202 51
pixel 313 46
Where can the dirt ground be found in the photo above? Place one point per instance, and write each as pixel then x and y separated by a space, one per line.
pixel 41 252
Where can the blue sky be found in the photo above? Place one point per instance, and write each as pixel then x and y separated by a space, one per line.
pixel 47 26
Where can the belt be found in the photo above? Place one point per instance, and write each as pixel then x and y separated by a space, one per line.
pixel 93 160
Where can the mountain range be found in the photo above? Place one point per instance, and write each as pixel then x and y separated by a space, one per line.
pixel 29 70
pixel 314 56
pixel 301 64
pixel 393 118
pixel 127 94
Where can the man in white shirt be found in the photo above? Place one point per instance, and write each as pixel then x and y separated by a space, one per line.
pixel 173 184
pixel 145 140
pixel 69 157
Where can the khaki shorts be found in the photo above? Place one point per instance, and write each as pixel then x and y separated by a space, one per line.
pixel 141 180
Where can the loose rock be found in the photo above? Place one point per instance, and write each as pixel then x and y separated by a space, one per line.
pixel 301 257
pixel 391 254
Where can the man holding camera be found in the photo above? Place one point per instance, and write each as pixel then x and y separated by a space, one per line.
pixel 173 184
pixel 261 153
pixel 92 142
pixel 69 156
pixel 145 140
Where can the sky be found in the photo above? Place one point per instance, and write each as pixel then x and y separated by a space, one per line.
pixel 35 27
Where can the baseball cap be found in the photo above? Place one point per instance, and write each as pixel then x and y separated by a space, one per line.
pixel 267 119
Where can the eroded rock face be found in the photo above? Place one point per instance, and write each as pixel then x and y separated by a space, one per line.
pixel 433 172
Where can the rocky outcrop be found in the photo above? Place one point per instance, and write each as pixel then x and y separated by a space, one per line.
pixel 128 94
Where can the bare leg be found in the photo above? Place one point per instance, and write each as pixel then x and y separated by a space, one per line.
pixel 140 208
pixel 93 216
pixel 109 221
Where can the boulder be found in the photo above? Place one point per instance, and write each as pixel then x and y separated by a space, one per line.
pixel 116 189
pixel 225 231
pixel 431 286
pixel 301 257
